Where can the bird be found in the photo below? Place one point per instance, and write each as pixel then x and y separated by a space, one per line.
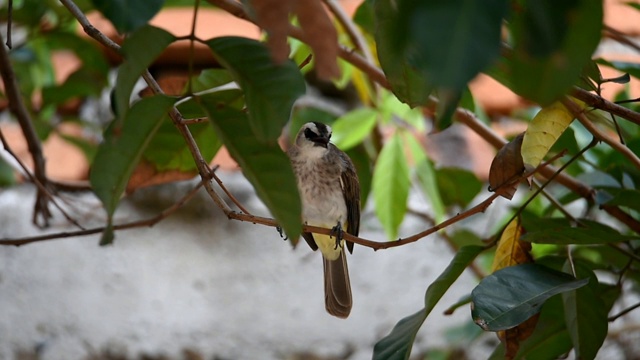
pixel 330 194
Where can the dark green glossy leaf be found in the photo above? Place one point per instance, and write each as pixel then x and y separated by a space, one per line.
pixel 585 315
pixel 550 339
pixel 622 79
pixel 391 183
pixel 449 42
pixel 128 15
pixel 407 83
pixel 139 50
pixel 457 186
pixel 365 17
pixel 552 43
pixel 122 148
pixel 559 231
pixel 269 89
pixel 397 345
pixel 211 78
pixel 511 295
pixel 263 164
pixel 168 150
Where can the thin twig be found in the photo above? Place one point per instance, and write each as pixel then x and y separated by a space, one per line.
pixel 579 114
pixel 623 312
pixel 41 187
pixel 130 225
pixel 194 121
pixel 9 23
pixel 19 110
pixel 196 6
pixel 620 37
pixel 230 195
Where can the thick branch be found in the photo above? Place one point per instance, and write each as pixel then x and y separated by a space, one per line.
pixel 619 147
pixel 19 110
pixel 598 102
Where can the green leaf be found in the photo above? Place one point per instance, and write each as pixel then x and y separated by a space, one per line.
pixel 128 15
pixel 630 68
pixel 559 231
pixel 585 315
pixel 397 345
pixel 353 127
pixel 449 42
pixel 270 89
pixel 550 338
pixel 391 185
pixel 7 175
pixel 122 148
pixel 168 150
pixel 139 50
pixel 511 295
pixel 623 197
pixel 211 78
pixel 457 186
pixel 263 164
pixel 552 43
pixel 408 84
pixel 427 178
pixel 365 17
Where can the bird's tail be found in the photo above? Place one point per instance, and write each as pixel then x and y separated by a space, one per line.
pixel 337 287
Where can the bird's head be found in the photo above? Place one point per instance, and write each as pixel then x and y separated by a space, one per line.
pixel 314 134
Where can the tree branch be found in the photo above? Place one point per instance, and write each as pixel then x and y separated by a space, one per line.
pixel 41 213
pixel 579 114
pixel 130 225
pixel 599 102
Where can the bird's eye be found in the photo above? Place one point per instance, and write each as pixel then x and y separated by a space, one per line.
pixel 309 134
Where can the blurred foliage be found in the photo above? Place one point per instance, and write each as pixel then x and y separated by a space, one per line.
pixel 428 51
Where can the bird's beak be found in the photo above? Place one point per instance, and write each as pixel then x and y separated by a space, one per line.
pixel 321 141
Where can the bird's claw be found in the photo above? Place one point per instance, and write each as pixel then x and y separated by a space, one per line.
pixel 338 233
pixel 282 235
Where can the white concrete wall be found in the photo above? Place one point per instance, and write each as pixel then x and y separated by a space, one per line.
pixel 199 281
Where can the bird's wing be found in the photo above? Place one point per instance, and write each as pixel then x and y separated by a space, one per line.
pixel 351 192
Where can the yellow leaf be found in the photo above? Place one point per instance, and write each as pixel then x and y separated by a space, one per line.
pixel 511 250
pixel 545 128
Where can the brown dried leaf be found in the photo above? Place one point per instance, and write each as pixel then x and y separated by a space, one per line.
pixel 511 338
pixel 146 174
pixel 318 29
pixel 321 35
pixel 506 167
pixel 273 16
